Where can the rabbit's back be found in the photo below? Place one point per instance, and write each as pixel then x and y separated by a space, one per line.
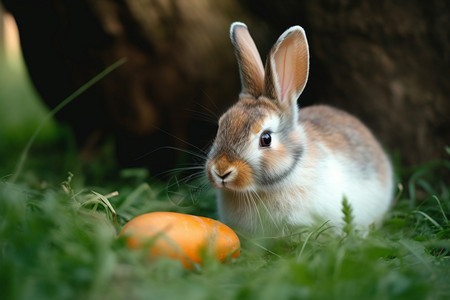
pixel 345 135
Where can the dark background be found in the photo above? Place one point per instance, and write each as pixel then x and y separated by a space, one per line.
pixel 387 62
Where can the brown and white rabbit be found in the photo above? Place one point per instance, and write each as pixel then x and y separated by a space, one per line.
pixel 275 165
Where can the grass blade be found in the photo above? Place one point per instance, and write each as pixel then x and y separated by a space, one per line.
pixel 60 106
pixel 429 219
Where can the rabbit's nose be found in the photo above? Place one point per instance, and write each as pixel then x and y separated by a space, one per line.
pixel 225 175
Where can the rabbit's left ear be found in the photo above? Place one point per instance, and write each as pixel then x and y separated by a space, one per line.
pixel 287 67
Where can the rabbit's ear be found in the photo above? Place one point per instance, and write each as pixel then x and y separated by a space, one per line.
pixel 287 67
pixel 250 65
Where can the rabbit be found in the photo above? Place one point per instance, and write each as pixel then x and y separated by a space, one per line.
pixel 276 166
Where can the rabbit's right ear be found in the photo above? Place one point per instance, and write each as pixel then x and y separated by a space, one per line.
pixel 287 68
pixel 251 68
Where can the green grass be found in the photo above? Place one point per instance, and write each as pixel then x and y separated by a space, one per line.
pixel 59 223
pixel 58 241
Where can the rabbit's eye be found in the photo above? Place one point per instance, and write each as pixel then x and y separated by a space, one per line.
pixel 265 139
